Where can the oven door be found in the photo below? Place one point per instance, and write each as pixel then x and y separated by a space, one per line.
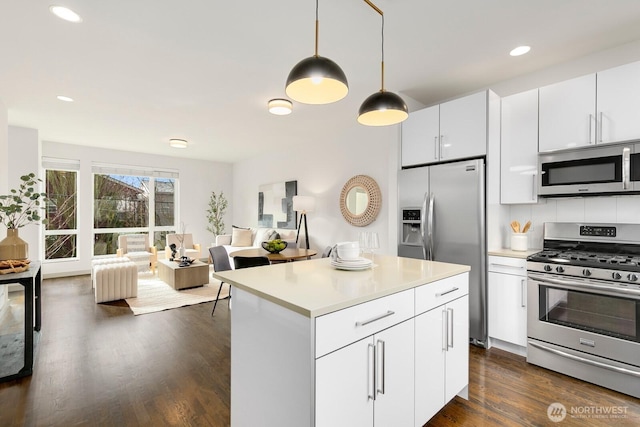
pixel 585 171
pixel 585 315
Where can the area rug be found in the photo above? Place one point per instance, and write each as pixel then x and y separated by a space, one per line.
pixel 154 295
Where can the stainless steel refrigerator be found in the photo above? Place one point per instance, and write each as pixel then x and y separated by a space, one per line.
pixel 443 218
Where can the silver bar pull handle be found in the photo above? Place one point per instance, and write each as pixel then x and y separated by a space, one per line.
pixel 439 294
pixel 441 147
pixel 626 168
pixel 430 227
pixel 371 361
pixel 376 318
pixel 599 125
pixel 445 330
pixel 449 328
pixel 534 180
pixel 508 266
pixel 435 147
pixel 380 362
pixel 522 293
pixel 590 121
pixel 423 227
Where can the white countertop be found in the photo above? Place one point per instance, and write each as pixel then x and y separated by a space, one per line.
pixel 313 288
pixel 513 254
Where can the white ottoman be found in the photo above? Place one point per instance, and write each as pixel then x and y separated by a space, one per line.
pixel 115 281
pixel 104 261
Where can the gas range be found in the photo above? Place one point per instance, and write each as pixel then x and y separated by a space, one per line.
pixel 595 251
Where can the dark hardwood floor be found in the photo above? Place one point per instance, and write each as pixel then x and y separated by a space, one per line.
pixel 98 365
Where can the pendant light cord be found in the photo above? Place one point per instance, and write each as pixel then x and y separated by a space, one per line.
pixel 317 25
pixel 377 9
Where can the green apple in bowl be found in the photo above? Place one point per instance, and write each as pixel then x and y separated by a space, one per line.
pixel 274 246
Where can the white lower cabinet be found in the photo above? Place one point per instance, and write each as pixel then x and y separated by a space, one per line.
pixel 368 382
pixel 507 300
pixel 442 357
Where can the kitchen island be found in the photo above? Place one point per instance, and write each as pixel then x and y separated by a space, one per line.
pixel 315 346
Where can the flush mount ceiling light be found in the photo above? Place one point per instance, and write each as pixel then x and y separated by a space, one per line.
pixel 316 79
pixel 280 107
pixel 65 13
pixel 178 143
pixel 64 98
pixel 520 50
pixel 382 108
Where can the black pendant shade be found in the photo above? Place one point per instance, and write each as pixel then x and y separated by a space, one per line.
pixel 317 80
pixel 382 109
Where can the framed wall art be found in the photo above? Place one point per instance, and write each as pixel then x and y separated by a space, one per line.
pixel 275 205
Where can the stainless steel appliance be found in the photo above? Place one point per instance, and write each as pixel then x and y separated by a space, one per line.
pixel 450 199
pixel 583 291
pixel 601 169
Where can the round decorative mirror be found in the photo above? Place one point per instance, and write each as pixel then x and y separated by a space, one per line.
pixel 360 200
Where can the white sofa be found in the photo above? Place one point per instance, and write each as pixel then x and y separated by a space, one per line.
pixel 258 235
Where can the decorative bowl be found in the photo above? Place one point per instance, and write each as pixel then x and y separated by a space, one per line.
pixel 274 246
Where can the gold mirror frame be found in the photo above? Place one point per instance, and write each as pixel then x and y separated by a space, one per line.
pixel 374 202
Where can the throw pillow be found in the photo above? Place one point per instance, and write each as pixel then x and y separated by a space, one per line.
pixel 274 236
pixel 240 237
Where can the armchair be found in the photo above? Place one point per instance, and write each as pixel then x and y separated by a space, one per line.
pixel 136 247
pixel 191 250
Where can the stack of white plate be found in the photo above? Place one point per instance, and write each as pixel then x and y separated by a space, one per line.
pixel 351 264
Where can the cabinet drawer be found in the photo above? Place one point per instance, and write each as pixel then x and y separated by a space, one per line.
pixel 335 330
pixel 441 292
pixel 508 265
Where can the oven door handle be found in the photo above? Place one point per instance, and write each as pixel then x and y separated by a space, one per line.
pixel 581 286
pixel 583 360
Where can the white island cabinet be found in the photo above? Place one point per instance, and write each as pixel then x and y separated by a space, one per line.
pixel 316 346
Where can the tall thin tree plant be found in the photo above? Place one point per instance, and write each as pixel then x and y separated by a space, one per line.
pixel 215 213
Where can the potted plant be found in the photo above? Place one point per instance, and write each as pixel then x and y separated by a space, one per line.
pixel 18 208
pixel 215 214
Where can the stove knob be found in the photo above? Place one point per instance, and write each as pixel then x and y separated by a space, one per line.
pixel 632 277
pixel 586 272
pixel 616 276
pixel 547 268
pixel 560 269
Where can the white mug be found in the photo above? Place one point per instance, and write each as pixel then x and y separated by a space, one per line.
pixel 348 250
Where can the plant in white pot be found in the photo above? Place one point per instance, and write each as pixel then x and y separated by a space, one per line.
pixel 20 207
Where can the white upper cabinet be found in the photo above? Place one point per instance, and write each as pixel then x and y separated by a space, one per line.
pixel 594 109
pixel 618 111
pixel 519 148
pixel 452 130
pixel 463 127
pixel 567 114
pixel 420 136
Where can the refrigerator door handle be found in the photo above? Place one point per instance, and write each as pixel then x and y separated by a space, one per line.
pixel 423 220
pixel 430 226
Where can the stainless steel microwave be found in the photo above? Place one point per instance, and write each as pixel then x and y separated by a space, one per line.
pixel 598 170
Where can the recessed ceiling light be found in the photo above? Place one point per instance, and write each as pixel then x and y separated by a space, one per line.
pixel 65 13
pixel 64 98
pixel 280 107
pixel 178 143
pixel 520 50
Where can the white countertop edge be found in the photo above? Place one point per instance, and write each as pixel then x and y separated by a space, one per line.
pixel 513 254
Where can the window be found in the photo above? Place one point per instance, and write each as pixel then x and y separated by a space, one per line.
pixel 131 201
pixel 61 230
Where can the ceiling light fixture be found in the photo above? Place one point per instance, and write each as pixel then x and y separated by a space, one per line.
pixel 280 107
pixel 316 79
pixel 520 50
pixel 64 98
pixel 382 108
pixel 178 143
pixel 65 13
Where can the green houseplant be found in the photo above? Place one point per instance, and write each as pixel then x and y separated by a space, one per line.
pixel 18 208
pixel 215 213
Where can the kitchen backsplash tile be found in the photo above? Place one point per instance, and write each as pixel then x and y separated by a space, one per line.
pixel 601 209
pixel 628 209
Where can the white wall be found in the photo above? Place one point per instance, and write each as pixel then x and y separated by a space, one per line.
pixel 321 168
pixel 197 180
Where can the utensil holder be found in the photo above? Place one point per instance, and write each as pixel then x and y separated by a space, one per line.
pixel 519 242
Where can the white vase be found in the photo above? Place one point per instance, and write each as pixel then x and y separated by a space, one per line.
pixel 181 251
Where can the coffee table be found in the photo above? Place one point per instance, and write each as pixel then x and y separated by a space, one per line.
pixel 192 276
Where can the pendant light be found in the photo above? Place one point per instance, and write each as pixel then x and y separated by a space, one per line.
pixel 382 108
pixel 316 79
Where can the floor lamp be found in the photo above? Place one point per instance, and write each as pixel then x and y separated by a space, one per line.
pixel 303 204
